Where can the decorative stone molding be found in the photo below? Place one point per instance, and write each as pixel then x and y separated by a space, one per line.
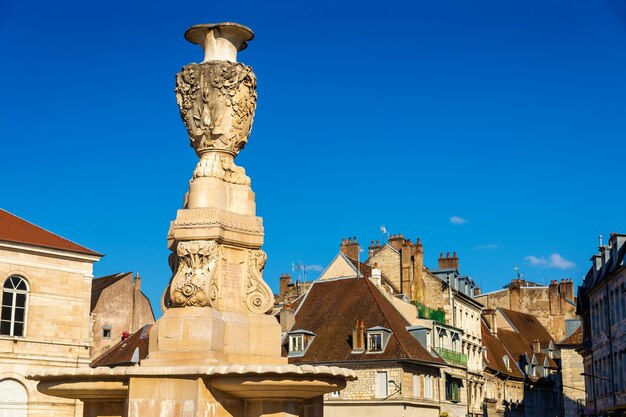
pixel 221 166
pixel 211 216
pixel 259 297
pixel 217 101
pixel 194 267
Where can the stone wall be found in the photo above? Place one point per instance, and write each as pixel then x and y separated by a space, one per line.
pixel 57 331
pixel 573 382
pixel 121 307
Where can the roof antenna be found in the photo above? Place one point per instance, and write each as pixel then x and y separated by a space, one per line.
pixel 383 230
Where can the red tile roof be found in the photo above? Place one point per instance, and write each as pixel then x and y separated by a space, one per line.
pixel 495 355
pixel 17 230
pixel 122 353
pixel 528 327
pixel 330 310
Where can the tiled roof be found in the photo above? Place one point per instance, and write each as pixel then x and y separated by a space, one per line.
pixel 99 284
pixel 528 327
pixel 122 353
pixel 330 310
pixel 495 355
pixel 575 339
pixel 17 230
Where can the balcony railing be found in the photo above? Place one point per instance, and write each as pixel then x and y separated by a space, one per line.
pixel 452 356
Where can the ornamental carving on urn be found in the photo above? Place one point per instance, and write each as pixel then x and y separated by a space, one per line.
pixel 217 100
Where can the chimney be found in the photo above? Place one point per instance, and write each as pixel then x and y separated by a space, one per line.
pixel 490 318
pixel 555 305
pixel 418 284
pixel 536 346
pixel 376 274
pixel 136 307
pixel 449 262
pixel 406 266
pixel 566 290
pixel 125 334
pixel 284 281
pixel 350 248
pixel 396 241
pixel 358 337
pixel 287 317
pixel 476 290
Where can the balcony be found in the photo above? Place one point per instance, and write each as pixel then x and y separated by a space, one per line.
pixel 451 356
pixel 424 312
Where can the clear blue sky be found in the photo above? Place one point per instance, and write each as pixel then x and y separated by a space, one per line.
pixel 509 115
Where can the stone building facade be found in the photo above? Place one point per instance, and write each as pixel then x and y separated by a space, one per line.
pixel 572 369
pixel 118 307
pixel 350 321
pixel 46 283
pixel 602 306
pixel 554 305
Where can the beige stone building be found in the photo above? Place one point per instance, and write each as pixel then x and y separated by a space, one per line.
pixel 554 305
pixel 446 307
pixel 118 307
pixel 572 369
pixel 602 306
pixel 46 286
pixel 346 319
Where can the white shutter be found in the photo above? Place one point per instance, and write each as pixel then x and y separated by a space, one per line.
pixel 381 384
pixel 416 386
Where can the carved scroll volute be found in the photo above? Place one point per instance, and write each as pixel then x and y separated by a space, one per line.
pixel 195 266
pixel 217 101
pixel 259 297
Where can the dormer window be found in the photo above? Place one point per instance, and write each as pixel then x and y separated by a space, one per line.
pixel 507 362
pixel 377 338
pixel 299 342
pixel 551 350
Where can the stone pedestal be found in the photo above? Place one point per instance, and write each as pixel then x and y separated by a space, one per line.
pixel 215 351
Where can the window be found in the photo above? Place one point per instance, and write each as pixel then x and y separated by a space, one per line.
pixel 453 389
pixel 296 343
pixel 106 332
pixel 375 342
pixel 299 342
pixel 428 386
pixel 381 384
pixel 13 399
pixel 416 386
pixel 505 358
pixel 14 297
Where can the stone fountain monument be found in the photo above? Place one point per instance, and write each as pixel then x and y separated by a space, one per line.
pixel 215 351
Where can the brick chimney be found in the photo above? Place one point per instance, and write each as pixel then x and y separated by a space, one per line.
pixel 449 262
pixel 358 337
pixel 284 281
pixel 396 241
pixel 554 297
pixel 374 246
pixel 350 248
pixel 476 290
pixel 136 307
pixel 490 317
pixel 536 346
pixel 406 267
pixel 287 317
pixel 377 274
pixel 418 284
pixel 515 294
pixel 567 288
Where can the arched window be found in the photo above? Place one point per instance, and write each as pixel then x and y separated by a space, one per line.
pixel 13 399
pixel 14 297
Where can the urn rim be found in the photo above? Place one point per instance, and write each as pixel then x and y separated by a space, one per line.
pixel 195 33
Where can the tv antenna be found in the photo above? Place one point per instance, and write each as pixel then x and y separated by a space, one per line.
pixel 519 274
pixel 383 230
pixel 301 268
